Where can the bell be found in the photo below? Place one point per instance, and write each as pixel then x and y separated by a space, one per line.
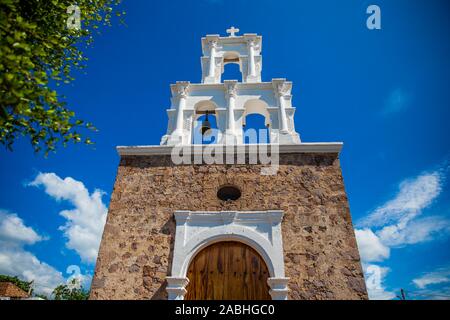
pixel 206 126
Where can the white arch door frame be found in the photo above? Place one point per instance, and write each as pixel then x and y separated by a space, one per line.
pixel 196 230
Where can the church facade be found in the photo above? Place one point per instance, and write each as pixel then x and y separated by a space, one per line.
pixel 267 219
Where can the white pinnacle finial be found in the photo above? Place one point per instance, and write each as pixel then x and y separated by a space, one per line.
pixel 232 31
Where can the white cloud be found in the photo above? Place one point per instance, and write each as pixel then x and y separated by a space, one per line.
pixel 16 261
pixel 28 267
pixel 441 275
pixel 414 195
pixel 375 276
pixel 83 229
pixel 370 247
pixel 413 232
pixel 431 294
pixel 12 229
pixel 396 223
pixel 85 222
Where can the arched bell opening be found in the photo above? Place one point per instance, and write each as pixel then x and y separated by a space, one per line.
pixel 255 129
pixel 256 122
pixel 205 129
pixel 231 66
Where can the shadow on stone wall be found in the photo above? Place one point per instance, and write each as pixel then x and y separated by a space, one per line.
pixel 296 159
pixel 161 294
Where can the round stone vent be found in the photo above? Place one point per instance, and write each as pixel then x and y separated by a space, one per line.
pixel 229 192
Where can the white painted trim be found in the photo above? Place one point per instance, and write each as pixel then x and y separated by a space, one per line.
pixel 194 87
pixel 176 287
pixel 260 230
pixel 314 147
pixel 278 288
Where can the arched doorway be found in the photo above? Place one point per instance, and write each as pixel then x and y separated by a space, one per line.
pixel 228 271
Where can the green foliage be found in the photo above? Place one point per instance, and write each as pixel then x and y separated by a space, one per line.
pixel 37 53
pixel 24 285
pixel 73 292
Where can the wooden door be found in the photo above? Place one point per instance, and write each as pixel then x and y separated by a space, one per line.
pixel 227 271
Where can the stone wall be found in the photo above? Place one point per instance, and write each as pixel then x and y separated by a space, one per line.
pixel 321 256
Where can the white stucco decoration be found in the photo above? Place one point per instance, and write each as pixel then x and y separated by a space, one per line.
pixel 230 102
pixel 243 50
pixel 233 99
pixel 196 230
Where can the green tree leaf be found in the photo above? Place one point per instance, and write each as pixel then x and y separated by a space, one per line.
pixel 36 46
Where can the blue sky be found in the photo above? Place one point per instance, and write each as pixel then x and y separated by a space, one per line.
pixel 384 93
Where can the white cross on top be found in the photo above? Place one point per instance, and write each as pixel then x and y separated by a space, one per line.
pixel 232 31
